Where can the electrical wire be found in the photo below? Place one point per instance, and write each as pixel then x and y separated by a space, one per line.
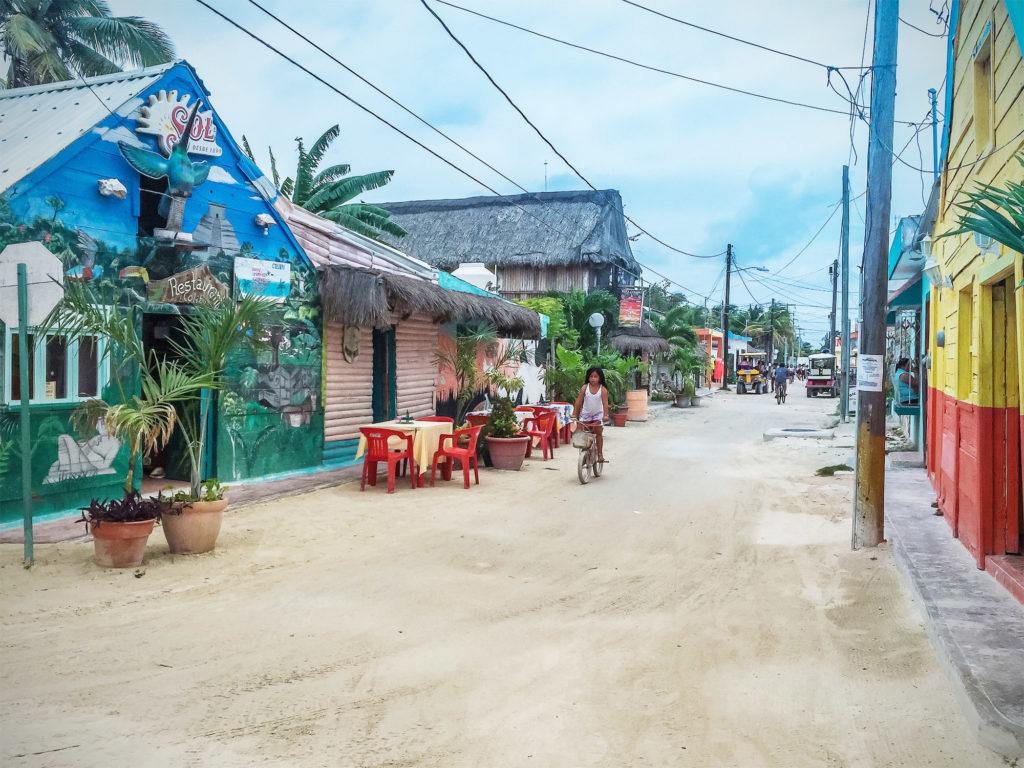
pixel 648 67
pixel 811 241
pixel 731 37
pixel 922 31
pixel 747 287
pixel 544 138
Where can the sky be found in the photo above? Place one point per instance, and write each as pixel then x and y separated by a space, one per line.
pixel 697 166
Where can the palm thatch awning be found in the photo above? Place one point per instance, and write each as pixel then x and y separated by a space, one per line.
pixel 643 339
pixel 539 229
pixel 368 299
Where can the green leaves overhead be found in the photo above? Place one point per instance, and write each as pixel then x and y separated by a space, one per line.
pixel 327 192
pixel 46 41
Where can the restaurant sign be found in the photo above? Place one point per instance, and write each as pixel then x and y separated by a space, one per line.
pixel 196 286
pixel 266 279
pixel 165 116
pixel 631 307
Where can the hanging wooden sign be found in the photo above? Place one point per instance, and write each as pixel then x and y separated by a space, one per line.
pixel 196 286
pixel 350 343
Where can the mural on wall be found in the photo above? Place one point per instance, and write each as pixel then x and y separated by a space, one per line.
pixel 86 210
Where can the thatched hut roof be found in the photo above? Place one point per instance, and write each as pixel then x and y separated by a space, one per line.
pixel 642 339
pixel 543 229
pixel 368 298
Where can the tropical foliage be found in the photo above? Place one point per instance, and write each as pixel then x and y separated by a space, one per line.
pixel 328 191
pixel 994 212
pixel 577 307
pixel 471 378
pixel 46 41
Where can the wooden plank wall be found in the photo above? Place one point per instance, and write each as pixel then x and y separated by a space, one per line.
pixel 348 393
pixel 416 341
pixel 525 281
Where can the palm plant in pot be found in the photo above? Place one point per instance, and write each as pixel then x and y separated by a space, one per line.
pixel 505 444
pixel 192 521
pixel 144 419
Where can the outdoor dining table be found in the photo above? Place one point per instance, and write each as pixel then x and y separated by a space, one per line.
pixel 426 435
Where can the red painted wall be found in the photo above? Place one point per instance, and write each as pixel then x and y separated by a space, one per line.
pixel 974 465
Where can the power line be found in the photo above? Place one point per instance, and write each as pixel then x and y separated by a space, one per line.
pixel 544 138
pixel 809 242
pixel 922 31
pixel 735 39
pixel 648 67
pixel 747 287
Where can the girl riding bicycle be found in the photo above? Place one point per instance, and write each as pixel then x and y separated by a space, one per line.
pixel 593 399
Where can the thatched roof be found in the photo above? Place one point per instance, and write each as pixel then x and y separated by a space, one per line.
pixel 537 229
pixel 367 298
pixel 639 339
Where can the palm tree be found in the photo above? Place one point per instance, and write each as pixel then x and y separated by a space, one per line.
pixel 46 41
pixel 994 212
pixel 675 328
pixel 327 192
pixel 470 378
pixel 577 307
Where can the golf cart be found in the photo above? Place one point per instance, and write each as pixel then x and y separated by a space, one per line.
pixel 750 373
pixel 821 375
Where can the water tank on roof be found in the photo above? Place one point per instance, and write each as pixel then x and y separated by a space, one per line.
pixel 475 273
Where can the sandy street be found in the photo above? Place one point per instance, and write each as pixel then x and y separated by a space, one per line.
pixel 696 606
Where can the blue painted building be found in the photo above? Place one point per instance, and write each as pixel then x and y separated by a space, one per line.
pixel 65 181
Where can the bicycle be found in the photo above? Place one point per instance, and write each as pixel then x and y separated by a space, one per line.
pixel 585 440
pixel 780 392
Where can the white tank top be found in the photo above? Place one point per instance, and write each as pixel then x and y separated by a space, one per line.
pixel 592 403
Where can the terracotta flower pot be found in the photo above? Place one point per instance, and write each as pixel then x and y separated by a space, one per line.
pixel 507 452
pixel 120 545
pixel 619 418
pixel 195 529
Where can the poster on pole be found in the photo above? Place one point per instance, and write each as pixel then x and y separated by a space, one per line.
pixel 631 307
pixel 870 373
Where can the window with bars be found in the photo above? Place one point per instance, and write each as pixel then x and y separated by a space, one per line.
pixel 59 370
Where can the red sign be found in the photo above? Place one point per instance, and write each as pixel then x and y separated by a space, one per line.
pixel 631 307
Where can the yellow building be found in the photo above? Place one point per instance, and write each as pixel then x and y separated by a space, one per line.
pixel 973 310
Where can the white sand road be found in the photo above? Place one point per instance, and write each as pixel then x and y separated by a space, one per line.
pixel 696 606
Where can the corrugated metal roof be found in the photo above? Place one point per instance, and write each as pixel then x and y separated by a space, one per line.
pixel 39 121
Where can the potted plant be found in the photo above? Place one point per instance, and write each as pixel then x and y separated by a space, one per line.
pixel 144 420
pixel 506 446
pixel 689 392
pixel 120 529
pixel 619 415
pixel 210 332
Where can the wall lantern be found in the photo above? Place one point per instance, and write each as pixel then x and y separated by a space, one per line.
pixel 265 221
pixel 933 272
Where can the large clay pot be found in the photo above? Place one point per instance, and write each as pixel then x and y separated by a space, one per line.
pixel 619 418
pixel 682 401
pixel 195 529
pixel 636 401
pixel 120 545
pixel 507 452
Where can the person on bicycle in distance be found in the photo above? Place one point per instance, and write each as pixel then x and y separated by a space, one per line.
pixel 781 377
pixel 593 400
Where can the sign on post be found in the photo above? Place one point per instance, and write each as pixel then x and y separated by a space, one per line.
pixel 631 307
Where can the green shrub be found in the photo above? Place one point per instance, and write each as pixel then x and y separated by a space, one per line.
pixel 502 420
pixel 688 390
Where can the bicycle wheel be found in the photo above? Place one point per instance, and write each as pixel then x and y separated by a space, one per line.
pixel 583 468
pixel 598 467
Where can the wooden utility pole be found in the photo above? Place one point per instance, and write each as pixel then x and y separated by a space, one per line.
pixel 869 499
pixel 844 241
pixel 833 271
pixel 725 319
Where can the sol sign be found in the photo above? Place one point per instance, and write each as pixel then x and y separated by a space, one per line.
pixel 165 117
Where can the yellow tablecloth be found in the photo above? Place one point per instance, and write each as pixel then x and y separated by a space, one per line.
pixel 426 435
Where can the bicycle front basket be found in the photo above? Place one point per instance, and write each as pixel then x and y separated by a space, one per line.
pixel 582 439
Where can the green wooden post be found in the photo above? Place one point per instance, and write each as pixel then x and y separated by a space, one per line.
pixel 26 430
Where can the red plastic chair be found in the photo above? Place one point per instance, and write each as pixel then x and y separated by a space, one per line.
pixel 540 427
pixel 567 429
pixel 541 410
pixel 378 448
pixel 476 419
pixel 467 455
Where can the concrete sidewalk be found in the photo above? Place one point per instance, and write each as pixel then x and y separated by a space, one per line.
pixel 975 625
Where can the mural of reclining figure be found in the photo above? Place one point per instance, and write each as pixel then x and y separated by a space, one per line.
pixel 84 458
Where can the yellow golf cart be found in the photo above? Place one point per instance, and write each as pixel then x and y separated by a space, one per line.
pixel 750 373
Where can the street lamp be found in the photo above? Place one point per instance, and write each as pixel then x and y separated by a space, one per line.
pixel 596 320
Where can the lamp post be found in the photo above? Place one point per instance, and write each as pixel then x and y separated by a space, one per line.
pixel 596 320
